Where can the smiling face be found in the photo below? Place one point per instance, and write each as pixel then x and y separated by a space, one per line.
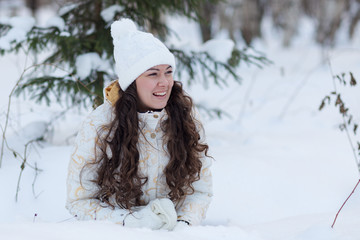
pixel 154 87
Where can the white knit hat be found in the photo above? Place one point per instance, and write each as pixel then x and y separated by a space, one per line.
pixel 136 51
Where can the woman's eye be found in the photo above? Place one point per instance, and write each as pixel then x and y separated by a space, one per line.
pixel 169 72
pixel 152 74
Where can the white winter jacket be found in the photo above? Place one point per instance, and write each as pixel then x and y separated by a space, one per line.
pixel 152 162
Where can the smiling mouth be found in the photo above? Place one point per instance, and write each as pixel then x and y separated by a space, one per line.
pixel 159 94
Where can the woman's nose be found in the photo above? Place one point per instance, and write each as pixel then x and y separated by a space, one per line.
pixel 163 80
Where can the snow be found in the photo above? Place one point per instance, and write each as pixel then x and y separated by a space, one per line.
pixel 109 13
pixel 219 49
pixel 87 62
pixel 23 23
pixel 9 4
pixel 103 230
pixel 282 169
pixel 12 35
pixel 20 27
pixel 56 22
pixel 65 34
pixel 68 8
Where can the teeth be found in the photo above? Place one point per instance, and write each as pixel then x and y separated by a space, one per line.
pixel 160 94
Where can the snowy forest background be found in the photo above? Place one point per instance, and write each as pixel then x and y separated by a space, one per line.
pixel 282 167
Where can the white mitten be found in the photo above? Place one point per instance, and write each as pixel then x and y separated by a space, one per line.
pixel 165 209
pixel 145 217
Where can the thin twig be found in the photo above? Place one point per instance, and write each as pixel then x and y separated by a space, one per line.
pixel 18 154
pixel 7 115
pixel 350 142
pixel 332 226
pixel 344 121
pixel 23 167
pixel 67 219
pixel 33 184
pixel 9 106
pixel 3 141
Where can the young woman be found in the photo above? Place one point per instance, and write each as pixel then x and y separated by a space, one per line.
pixel 139 159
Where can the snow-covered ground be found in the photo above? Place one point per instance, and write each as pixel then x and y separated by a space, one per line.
pixel 282 169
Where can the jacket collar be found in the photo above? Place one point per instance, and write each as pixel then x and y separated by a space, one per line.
pixel 151 119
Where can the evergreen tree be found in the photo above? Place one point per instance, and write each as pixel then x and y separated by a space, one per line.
pixel 82 33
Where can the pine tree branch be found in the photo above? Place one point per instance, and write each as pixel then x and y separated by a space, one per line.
pixel 85 31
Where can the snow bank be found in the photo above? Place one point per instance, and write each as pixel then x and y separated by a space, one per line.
pixel 105 230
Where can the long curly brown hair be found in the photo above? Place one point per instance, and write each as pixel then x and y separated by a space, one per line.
pixel 118 176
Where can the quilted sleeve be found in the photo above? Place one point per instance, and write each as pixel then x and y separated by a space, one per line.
pixel 80 201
